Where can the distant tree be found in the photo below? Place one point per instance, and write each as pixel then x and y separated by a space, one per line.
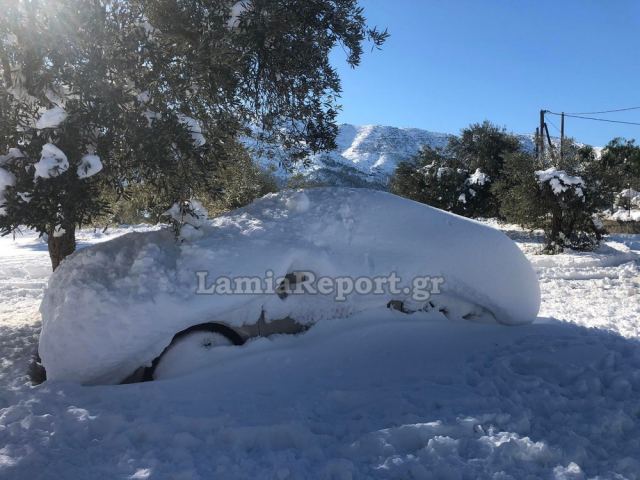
pixel 299 180
pixel 588 165
pixel 570 202
pixel 459 178
pixel 239 182
pixel 617 168
pixel 553 200
pixel 483 146
pixel 115 94
pixel 628 199
pixel 517 190
pixel 476 198
pixel 431 178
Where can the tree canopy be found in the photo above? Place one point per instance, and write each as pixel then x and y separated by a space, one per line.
pixel 111 94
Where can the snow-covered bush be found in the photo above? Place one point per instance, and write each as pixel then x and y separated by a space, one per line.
pixel 438 180
pixel 571 223
pixel 431 178
pixel 476 197
pixel 628 198
pixel 553 200
pixel 482 146
pixel 187 217
pixel 626 207
pixel 617 168
pixel 458 178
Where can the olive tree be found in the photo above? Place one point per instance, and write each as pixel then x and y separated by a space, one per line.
pixel 114 94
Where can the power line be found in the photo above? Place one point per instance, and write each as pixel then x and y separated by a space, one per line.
pixel 602 119
pixel 605 111
pixel 553 124
pixel 594 118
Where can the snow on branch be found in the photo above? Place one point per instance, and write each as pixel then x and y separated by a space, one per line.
pixel 89 166
pixel 478 178
pixel 194 128
pixel 51 118
pixel 53 162
pixel 7 179
pixel 560 181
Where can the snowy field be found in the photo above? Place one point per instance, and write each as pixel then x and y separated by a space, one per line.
pixel 378 395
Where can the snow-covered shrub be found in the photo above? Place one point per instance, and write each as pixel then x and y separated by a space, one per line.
pixel 618 168
pixel 624 215
pixel 571 221
pixel 187 218
pixel 628 198
pixel 553 200
pixel 459 178
pixel 626 207
pixel 431 178
pixel 482 146
pixel 476 198
pixel 437 180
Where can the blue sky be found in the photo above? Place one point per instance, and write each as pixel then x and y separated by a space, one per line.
pixel 453 62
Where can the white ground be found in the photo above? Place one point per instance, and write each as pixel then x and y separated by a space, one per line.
pixel 384 395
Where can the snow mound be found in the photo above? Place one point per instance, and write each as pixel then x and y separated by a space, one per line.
pixel 114 307
pixel 624 215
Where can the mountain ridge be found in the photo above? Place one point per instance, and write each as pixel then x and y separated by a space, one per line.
pixel 367 155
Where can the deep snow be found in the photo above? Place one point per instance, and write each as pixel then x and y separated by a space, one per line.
pixel 384 395
pixel 131 296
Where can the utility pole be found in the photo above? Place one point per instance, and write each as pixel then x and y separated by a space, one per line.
pixel 537 142
pixel 551 151
pixel 562 138
pixel 541 137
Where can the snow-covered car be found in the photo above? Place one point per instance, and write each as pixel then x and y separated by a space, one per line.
pixel 146 304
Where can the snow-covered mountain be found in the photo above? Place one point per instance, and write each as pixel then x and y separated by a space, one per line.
pixel 367 155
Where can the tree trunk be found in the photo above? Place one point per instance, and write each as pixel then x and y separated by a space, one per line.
pixel 556 228
pixel 61 246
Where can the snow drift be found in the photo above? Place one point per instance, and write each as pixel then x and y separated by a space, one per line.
pixel 114 307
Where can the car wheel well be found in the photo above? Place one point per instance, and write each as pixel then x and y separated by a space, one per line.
pixel 219 328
